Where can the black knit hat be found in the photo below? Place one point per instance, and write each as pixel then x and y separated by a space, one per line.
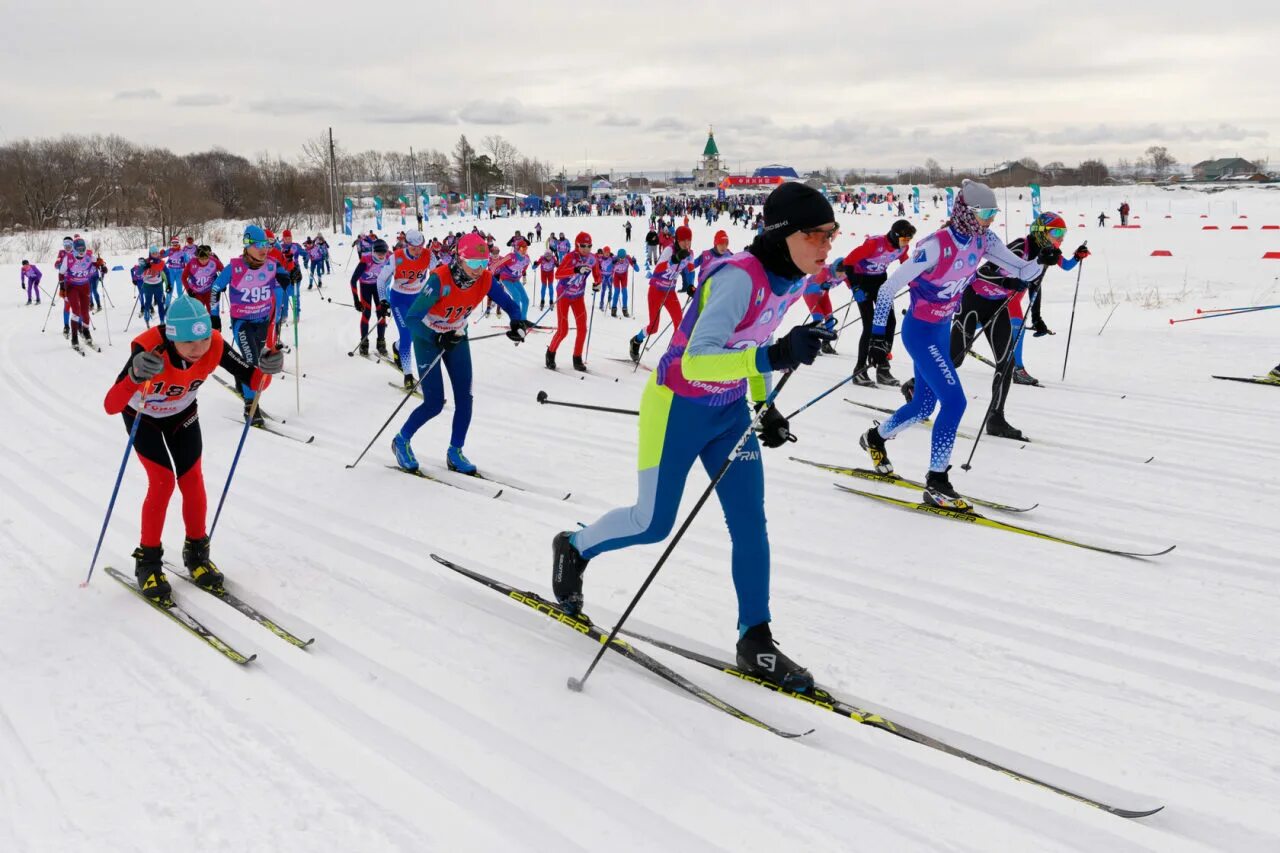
pixel 794 206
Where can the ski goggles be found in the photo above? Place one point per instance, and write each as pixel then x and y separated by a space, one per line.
pixel 476 263
pixel 264 243
pixel 820 236
pixel 1056 233
pixel 985 212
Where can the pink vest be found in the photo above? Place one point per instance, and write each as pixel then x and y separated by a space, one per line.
pixel 885 254
pixel 201 276
pixel 80 270
pixel 252 292
pixel 754 330
pixel 935 294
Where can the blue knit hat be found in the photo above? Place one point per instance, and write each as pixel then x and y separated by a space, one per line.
pixel 187 320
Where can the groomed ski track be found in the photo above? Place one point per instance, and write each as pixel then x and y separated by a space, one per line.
pixel 431 714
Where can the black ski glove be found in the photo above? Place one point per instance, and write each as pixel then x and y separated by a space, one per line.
pixel 1081 252
pixel 144 366
pixel 355 299
pixel 799 346
pixel 517 332
pixel 1049 256
pixel 773 428
pixel 384 305
pixel 878 349
pixel 446 341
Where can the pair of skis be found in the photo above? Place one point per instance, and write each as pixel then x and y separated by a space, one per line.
pixel 486 491
pixel 194 626
pixel 963 515
pixel 821 698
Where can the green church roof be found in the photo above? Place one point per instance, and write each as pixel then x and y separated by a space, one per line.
pixel 711 150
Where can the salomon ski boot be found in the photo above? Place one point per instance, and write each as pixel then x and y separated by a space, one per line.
pixel 863 377
pixel 458 462
pixel 404 453
pixel 579 365
pixel 908 388
pixel 939 492
pixel 633 348
pixel 759 655
pixel 551 360
pixel 381 347
pixel 567 567
pixel 872 442
pixel 409 382
pixel 148 568
pixel 1021 377
pixel 195 556
pixel 253 415
pixel 364 346
pixel 884 377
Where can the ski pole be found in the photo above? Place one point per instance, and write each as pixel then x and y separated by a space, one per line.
pixel 835 387
pixel 103 284
pixel 297 359
pixel 136 309
pixel 1224 313
pixel 1070 327
pixel 1231 310
pixel 858 319
pixel 591 320
pixel 1008 361
pixel 546 401
pixel 48 314
pixel 248 421
pixel 115 491
pixel 1108 320
pixel 408 395
pixel 577 684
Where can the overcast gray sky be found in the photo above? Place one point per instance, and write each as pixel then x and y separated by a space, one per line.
pixel 634 85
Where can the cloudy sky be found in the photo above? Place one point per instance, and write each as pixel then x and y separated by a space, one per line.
pixel 634 85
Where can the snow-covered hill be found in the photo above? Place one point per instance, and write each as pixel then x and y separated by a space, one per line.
pixel 432 714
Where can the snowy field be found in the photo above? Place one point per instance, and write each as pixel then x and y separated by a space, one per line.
pixel 432 714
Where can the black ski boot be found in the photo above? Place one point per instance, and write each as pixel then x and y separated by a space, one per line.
pixel 613 312
pixel 862 376
pixel 409 382
pixel 148 568
pixel 828 349
pixel 579 365
pixel 567 566
pixel 551 360
pixel 253 415
pixel 381 347
pixel 633 348
pixel 939 492
pixel 195 556
pixel 66 331
pixel 624 312
pixel 364 347
pixel 88 338
pixel 908 388
pixel 1000 428
pixel 759 655
pixel 871 442
pixel 884 377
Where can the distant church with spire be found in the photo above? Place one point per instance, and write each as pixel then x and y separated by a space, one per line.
pixel 710 173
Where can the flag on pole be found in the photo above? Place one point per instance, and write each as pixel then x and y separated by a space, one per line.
pixel 377 211
pixel 346 216
pixel 1035 200
pixel 951 199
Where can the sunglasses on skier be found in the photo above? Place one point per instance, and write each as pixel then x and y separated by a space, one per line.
pixel 986 212
pixel 819 236
pixel 476 263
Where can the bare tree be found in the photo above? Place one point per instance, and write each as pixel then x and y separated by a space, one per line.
pixel 1162 162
